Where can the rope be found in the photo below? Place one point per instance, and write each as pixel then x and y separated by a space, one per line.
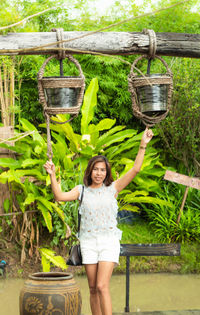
pixel 60 42
pixel 152 42
pixel 48 119
pixel 49 146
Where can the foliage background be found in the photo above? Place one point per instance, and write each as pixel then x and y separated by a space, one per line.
pixel 113 97
pixel 177 138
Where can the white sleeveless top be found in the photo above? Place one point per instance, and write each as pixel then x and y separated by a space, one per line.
pixel 98 211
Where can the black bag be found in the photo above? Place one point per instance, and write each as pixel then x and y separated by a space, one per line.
pixel 75 258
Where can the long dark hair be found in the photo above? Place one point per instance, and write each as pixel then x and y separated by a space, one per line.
pixel 95 159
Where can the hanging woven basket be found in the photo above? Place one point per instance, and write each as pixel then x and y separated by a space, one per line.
pixel 60 95
pixel 151 93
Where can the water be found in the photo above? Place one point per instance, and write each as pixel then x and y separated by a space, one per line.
pixel 148 292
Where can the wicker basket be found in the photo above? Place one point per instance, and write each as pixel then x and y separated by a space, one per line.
pixel 60 95
pixel 151 93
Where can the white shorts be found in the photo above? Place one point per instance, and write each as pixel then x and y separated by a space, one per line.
pixel 100 248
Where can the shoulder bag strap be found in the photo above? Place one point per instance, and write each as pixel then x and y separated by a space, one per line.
pixel 79 216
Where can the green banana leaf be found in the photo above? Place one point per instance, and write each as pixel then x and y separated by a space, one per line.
pixel 27 126
pixel 46 215
pixel 89 103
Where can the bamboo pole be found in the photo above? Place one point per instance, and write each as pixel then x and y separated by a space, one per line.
pixel 2 98
pixel 12 95
pixel 6 96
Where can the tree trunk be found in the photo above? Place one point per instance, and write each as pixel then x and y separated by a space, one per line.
pixel 112 43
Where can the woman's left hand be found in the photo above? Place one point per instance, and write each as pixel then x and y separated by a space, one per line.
pixel 147 136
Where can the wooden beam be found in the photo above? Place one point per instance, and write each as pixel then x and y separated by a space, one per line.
pixel 112 43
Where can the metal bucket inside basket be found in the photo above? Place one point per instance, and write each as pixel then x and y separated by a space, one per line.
pixel 62 97
pixel 152 99
pixel 62 92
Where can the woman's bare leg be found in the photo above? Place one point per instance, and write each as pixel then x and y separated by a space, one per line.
pixel 104 273
pixel 91 271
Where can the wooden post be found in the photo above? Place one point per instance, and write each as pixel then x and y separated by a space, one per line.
pixel 112 43
pixel 182 205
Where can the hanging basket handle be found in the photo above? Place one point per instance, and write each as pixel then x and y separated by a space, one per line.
pixel 69 57
pixel 133 67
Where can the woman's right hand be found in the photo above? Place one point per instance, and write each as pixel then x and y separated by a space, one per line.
pixel 50 167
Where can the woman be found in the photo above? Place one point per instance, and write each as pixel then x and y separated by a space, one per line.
pixel 99 235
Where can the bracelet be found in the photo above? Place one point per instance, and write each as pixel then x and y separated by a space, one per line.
pixel 142 147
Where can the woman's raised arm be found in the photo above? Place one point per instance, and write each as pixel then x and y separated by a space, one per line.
pixel 122 182
pixel 58 194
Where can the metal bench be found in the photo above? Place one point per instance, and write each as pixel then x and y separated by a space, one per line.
pixel 145 250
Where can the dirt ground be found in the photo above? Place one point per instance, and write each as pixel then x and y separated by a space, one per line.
pixel 12 255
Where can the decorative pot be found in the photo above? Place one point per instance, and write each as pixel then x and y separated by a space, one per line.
pixel 50 293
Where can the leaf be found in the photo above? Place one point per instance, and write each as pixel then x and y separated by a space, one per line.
pixel 11 148
pixel 11 163
pixel 59 212
pixel 45 264
pixel 137 193
pixel 38 149
pixel 55 260
pixel 68 132
pixel 89 103
pixel 146 183
pixel 29 199
pixel 31 162
pixel 27 126
pixel 103 139
pixel 105 124
pixel 88 151
pixel 129 208
pixel 9 176
pixel 118 137
pixel 116 150
pixel 46 216
pixel 48 180
pixel 151 200
pixel 45 202
pixel 67 161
